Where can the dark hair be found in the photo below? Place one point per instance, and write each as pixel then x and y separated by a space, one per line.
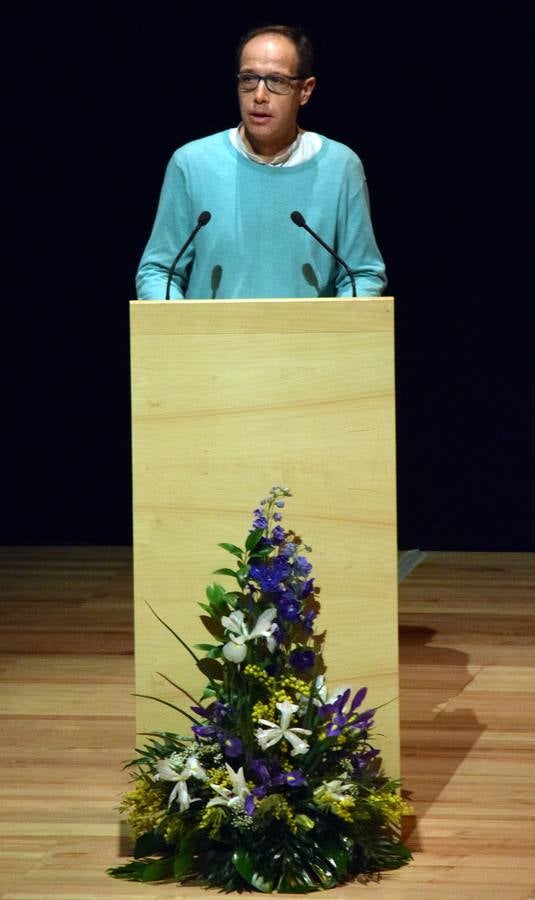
pixel 305 51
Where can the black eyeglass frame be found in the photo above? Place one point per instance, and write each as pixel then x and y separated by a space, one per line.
pixel 265 79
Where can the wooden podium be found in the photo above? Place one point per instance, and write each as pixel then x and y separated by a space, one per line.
pixel 229 398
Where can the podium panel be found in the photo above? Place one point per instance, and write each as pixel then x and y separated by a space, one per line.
pixel 229 398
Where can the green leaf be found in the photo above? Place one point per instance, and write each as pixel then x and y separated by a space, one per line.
pixel 243 863
pixel 184 858
pixel 216 594
pixel 177 686
pixel 159 869
pixel 260 884
pixel 212 669
pixel 336 852
pixel 228 572
pixel 232 549
pixel 205 647
pixel 132 871
pixel 183 642
pixel 148 844
pixel 263 551
pixel 254 538
pixel 172 705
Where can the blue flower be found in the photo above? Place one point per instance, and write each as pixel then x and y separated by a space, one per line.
pixel 308 619
pixel 288 606
pixel 302 659
pixel 260 522
pixel 270 574
pixel 302 566
pixel 277 535
pixel 288 550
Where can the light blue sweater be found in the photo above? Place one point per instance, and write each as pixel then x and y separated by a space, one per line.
pixel 250 247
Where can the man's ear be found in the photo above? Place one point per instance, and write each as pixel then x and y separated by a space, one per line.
pixel 306 90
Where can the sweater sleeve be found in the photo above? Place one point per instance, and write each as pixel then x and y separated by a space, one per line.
pixel 172 226
pixel 358 246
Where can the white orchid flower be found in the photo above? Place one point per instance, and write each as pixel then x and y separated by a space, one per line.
pixel 235 798
pixel 167 772
pixel 235 650
pixel 271 735
pixel 323 696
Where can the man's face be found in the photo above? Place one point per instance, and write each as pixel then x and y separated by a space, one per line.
pixel 270 120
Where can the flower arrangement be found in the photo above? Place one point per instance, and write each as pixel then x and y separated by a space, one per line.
pixel 277 788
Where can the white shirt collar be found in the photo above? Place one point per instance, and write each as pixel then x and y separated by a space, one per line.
pixel 306 145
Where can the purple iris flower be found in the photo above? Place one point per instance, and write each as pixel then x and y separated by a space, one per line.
pixel 206 731
pixel 231 746
pixel 361 761
pixel 302 566
pixel 275 777
pixel 249 805
pixel 216 712
pixel 307 588
pixel 302 659
pixel 295 778
pixel 277 517
pixel 364 721
pixel 341 719
pixel 260 769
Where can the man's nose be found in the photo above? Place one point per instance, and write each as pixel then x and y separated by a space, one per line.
pixel 261 92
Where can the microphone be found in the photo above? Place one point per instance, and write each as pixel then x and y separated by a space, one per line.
pixel 299 220
pixel 203 219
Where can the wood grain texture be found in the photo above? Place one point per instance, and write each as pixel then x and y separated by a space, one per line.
pixel 229 399
pixel 468 727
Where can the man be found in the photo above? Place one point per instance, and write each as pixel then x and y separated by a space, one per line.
pixel 251 179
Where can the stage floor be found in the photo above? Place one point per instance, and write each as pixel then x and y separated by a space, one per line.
pixel 467 645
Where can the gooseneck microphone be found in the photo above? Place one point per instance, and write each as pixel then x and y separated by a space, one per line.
pixel 299 220
pixel 203 219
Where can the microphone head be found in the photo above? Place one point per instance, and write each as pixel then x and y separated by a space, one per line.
pixel 297 218
pixel 204 218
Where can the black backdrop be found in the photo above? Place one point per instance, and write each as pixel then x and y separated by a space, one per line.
pixel 437 100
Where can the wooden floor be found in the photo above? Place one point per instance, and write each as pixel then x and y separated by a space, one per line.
pixel 467 628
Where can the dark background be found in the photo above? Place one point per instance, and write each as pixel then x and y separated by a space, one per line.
pixel 436 98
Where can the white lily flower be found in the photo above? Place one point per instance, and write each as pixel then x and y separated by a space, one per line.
pixel 332 791
pixel 235 650
pixel 167 772
pixel 271 735
pixel 234 798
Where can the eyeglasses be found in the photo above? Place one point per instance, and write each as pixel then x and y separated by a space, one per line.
pixel 277 84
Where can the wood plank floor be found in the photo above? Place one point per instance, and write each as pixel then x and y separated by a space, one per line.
pixel 467 629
